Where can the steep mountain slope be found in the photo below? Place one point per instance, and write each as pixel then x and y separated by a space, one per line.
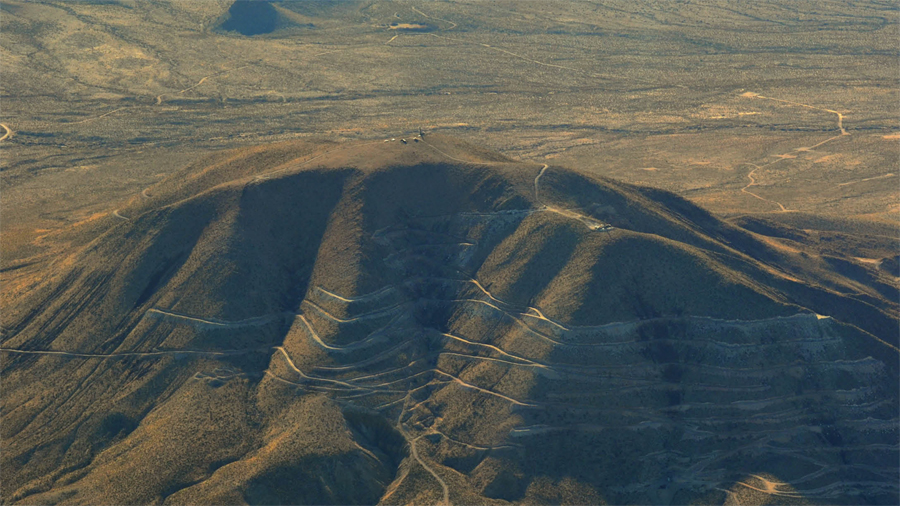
pixel 429 322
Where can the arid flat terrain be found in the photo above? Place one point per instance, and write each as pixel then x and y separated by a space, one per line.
pixel 461 252
pixel 738 106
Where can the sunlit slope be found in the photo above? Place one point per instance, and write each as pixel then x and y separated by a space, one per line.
pixel 427 322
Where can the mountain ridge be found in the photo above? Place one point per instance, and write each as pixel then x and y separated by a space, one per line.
pixel 418 320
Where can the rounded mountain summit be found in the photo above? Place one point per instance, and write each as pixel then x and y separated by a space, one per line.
pixel 427 321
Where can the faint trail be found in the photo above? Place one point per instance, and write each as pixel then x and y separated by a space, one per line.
pixel 159 98
pixel 136 353
pixel 522 360
pixel 538 314
pixel 771 487
pixel 453 157
pixel 379 357
pixel 561 67
pixel 469 445
pixel 867 179
pixel 871 469
pixel 211 322
pixel 840 117
pixel 369 341
pixel 117 215
pixel 840 125
pixel 194 86
pixel 484 390
pixel 533 430
pixel 753 183
pixel 316 337
pixel 589 222
pixel 814 146
pixel 98 117
pixel 880 340
pixel 267 175
pixel 263 177
pixel 515 55
pixel 437 18
pixel 363 317
pixel 491 359
pixel 380 312
pixel 328 52
pixel 8 132
pixel 380 386
pixel 306 386
pixel 728 495
pixel 303 375
pixel 281 95
pixel 486 292
pixel 615 325
pixel 769 484
pixel 367 452
pixel 369 376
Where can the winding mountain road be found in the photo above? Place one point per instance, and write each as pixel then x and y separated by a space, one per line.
pixel 401 382
pixel 593 75
pixel 537 179
pixel 358 298
pixel 415 453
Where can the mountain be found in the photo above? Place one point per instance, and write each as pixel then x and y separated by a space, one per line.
pixel 422 320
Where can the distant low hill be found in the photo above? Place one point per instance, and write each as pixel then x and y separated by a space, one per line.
pixel 263 17
pixel 422 320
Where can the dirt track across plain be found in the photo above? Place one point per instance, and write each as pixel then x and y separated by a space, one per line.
pixel 840 126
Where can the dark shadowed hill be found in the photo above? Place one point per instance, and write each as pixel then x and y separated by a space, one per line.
pixel 278 17
pixel 430 322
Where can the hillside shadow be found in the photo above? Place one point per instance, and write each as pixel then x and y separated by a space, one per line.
pixel 251 17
